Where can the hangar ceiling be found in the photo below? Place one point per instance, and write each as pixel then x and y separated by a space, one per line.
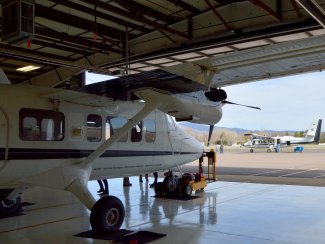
pixel 71 35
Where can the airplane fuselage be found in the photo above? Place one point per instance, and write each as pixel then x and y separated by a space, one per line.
pixel 39 134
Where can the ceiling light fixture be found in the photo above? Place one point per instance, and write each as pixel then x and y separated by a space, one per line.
pixel 28 68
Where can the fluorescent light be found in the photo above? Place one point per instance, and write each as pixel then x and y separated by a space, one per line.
pixel 28 68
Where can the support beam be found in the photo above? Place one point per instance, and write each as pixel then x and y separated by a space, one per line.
pixel 6 50
pixel 144 10
pixel 315 10
pixel 59 46
pixel 237 37
pixel 215 11
pixel 66 38
pixel 50 78
pixel 266 9
pixel 49 61
pixel 190 28
pixel 72 20
pixel 186 6
pixel 279 9
pixel 101 15
pixel 294 4
pixel 139 18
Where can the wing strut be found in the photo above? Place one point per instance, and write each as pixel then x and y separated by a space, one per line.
pixel 147 109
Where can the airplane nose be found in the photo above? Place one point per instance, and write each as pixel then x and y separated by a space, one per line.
pixel 191 142
pixel 247 144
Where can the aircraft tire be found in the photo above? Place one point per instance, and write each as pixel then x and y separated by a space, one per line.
pixel 187 190
pixel 251 150
pixel 159 189
pixel 107 215
pixel 10 206
pixel 268 150
pixel 171 185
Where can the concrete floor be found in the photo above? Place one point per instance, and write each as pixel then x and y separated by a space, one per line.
pixel 226 212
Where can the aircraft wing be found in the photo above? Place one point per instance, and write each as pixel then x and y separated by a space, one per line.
pixel 249 65
pixel 257 136
pixel 123 88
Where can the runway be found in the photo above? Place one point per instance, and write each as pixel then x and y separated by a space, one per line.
pixel 226 212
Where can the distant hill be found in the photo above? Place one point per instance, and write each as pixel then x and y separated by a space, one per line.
pixel 205 128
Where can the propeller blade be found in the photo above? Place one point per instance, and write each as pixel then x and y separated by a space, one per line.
pixel 227 102
pixel 210 133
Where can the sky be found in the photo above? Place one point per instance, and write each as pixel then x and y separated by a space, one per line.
pixel 289 103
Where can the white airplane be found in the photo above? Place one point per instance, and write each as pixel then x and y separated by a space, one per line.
pixel 61 139
pixel 270 143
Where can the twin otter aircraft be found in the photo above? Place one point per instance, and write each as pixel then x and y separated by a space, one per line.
pixel 270 143
pixel 60 139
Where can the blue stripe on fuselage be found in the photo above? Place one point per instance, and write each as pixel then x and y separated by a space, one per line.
pixel 37 153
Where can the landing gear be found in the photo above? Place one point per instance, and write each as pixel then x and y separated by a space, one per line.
pixel 159 189
pixel 187 190
pixel 10 206
pixel 170 184
pixel 184 185
pixel 107 214
pixel 251 150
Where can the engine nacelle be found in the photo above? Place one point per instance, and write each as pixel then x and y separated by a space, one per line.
pixel 193 107
pixel 216 95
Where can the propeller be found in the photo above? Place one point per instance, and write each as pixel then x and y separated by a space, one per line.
pixel 219 95
pixel 227 102
pixel 210 134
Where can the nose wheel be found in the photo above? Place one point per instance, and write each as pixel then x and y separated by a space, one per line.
pixel 171 184
pixel 10 206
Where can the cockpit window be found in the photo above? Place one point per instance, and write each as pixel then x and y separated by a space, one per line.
pixel 41 125
pixel 171 122
pixel 149 126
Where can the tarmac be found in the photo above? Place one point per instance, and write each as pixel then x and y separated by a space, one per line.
pixel 287 167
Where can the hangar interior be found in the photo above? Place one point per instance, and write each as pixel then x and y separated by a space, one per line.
pixel 59 39
pixel 50 43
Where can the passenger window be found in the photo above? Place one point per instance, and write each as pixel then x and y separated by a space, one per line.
pixel 41 125
pixel 47 126
pixel 136 132
pixel 94 128
pixel 117 123
pixel 149 126
pixel 30 129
